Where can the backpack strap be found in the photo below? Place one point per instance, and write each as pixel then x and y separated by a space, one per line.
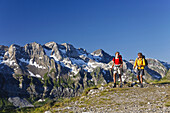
pixel 137 61
pixel 120 59
pixel 142 60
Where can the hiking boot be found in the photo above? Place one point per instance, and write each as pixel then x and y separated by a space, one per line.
pixel 121 85
pixel 114 85
pixel 141 85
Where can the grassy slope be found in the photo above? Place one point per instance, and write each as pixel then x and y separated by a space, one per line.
pixel 106 99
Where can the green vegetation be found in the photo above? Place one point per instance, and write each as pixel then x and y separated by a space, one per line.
pixel 161 82
pixel 23 110
pixel 47 80
pixel 167 104
pixel 88 89
pixel 5 104
pixel 164 80
pixel 39 104
pixel 52 70
pixel 18 76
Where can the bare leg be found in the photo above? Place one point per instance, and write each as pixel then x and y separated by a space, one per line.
pixel 138 78
pixel 141 78
pixel 114 77
pixel 120 80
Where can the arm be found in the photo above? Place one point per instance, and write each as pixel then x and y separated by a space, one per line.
pixel 113 65
pixel 135 64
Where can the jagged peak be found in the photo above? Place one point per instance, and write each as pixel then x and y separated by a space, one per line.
pixel 67 45
pixel 50 45
pixel 33 44
pixel 14 45
pixel 99 52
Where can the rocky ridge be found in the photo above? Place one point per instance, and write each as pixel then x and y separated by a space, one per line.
pixel 54 70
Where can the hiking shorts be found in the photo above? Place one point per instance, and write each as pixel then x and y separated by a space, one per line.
pixel 140 72
pixel 117 70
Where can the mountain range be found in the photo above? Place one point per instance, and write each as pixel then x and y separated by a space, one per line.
pixel 35 72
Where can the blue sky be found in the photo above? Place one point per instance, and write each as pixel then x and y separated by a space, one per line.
pixel 128 26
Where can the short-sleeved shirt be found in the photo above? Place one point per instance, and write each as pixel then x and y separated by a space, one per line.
pixel 118 60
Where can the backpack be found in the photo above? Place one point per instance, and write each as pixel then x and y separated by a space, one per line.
pixel 146 62
pixel 120 57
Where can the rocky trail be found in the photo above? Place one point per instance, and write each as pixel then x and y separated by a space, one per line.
pixel 151 98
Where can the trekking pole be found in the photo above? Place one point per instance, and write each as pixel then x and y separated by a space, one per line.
pixel 111 70
pixel 133 76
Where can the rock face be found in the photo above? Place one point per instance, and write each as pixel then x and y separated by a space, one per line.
pixel 18 102
pixel 102 56
pixel 60 70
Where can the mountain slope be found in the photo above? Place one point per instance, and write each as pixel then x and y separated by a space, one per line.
pixel 54 70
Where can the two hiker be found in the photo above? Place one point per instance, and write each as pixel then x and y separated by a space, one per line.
pixel 117 65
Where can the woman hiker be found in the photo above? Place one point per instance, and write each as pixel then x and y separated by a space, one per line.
pixel 118 65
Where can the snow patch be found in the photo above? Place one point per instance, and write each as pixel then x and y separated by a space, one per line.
pixel 39 76
pixel 41 100
pixel 23 60
pixel 32 63
pixel 55 58
pixel 36 65
pixel 77 61
pixel 9 62
pixel 88 69
pixel 95 64
pixel 33 75
pixel 74 70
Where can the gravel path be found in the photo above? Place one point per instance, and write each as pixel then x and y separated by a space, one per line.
pixel 151 98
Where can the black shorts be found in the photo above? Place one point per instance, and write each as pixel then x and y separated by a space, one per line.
pixel 140 72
